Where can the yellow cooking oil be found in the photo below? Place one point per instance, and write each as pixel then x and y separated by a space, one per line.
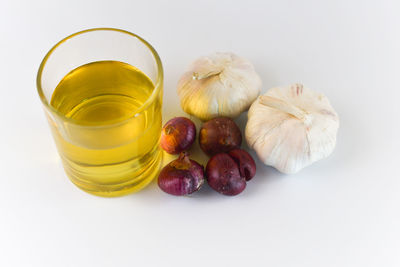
pixel 109 139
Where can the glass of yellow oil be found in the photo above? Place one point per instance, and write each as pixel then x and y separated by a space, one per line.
pixel 102 94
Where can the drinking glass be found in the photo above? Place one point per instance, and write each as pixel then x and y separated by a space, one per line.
pixel 115 157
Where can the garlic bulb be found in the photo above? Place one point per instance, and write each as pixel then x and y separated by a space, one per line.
pixel 221 84
pixel 291 127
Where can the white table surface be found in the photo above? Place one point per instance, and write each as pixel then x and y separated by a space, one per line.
pixel 341 211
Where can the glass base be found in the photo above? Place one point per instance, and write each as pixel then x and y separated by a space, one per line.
pixel 135 184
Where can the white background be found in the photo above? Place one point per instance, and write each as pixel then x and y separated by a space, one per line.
pixel 342 211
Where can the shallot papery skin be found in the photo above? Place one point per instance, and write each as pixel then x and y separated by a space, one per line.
pixel 178 135
pixel 182 176
pixel 219 135
pixel 247 166
pixel 223 175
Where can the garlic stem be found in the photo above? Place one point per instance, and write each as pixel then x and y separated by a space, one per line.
pixel 199 76
pixel 278 104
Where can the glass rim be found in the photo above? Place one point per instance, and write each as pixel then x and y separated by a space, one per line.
pixel 148 102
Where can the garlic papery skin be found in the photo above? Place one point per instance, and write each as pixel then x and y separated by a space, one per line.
pixel 291 127
pixel 222 84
